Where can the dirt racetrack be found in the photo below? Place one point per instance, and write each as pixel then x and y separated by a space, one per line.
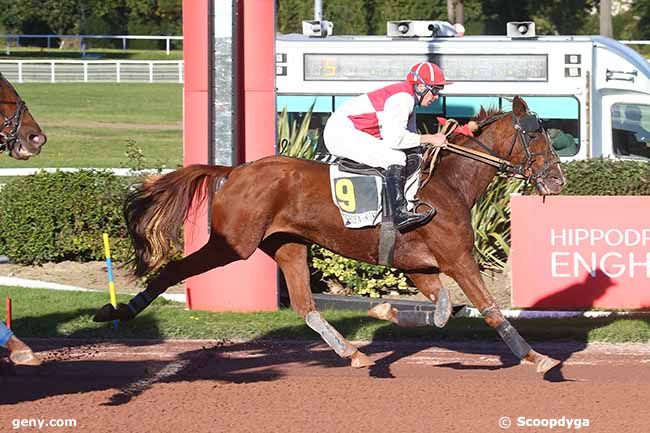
pixel 208 386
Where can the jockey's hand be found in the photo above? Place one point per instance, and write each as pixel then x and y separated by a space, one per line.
pixel 435 140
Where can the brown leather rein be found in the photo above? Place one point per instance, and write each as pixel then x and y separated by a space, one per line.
pixel 519 171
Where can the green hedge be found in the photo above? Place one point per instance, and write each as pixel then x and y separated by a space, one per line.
pixel 606 177
pixel 52 217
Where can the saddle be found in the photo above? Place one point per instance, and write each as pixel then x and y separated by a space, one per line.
pixel 413 165
pixel 359 192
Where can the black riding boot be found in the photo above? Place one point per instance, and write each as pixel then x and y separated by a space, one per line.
pixel 402 219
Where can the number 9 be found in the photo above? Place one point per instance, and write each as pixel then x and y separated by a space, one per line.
pixel 345 195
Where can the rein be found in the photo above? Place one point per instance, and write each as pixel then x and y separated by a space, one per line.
pixel 524 127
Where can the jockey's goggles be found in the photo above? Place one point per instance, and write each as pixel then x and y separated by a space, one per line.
pixel 435 89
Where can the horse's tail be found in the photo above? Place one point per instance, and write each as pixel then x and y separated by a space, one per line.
pixel 157 209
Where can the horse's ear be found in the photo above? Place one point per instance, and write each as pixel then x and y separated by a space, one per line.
pixel 519 107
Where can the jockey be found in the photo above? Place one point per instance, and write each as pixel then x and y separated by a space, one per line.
pixel 19 352
pixel 376 128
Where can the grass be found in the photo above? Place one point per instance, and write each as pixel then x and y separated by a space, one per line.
pixel 89 125
pixel 34 53
pixel 46 313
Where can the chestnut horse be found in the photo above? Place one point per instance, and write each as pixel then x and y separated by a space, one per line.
pixel 282 205
pixel 20 135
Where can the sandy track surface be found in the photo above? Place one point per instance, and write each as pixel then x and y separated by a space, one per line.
pixel 208 386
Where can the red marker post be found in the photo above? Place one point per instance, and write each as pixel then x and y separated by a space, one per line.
pixel 8 313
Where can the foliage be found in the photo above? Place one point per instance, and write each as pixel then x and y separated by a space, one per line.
pixel 52 217
pixel 362 278
pixel 295 140
pixel 480 16
pixel 156 17
pixel 601 176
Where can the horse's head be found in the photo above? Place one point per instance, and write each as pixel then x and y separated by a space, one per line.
pixel 533 151
pixel 20 135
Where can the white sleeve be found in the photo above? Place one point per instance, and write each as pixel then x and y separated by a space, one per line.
pixel 394 129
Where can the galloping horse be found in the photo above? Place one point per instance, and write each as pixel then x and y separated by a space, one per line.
pixel 20 135
pixel 282 205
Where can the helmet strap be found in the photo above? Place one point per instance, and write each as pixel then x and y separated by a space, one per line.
pixel 420 95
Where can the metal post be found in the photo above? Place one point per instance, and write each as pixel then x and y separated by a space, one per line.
pixel 118 78
pixel 52 73
pixel 85 72
pixel 49 42
pixel 167 44
pixel 20 71
pixel 151 72
pixel 318 10
pixel 180 72
pixel 124 44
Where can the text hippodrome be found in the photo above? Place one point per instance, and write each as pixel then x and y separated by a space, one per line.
pixel 614 252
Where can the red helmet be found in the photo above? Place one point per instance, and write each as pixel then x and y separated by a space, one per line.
pixel 426 73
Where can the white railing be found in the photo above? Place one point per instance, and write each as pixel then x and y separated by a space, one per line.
pixel 81 38
pixel 99 71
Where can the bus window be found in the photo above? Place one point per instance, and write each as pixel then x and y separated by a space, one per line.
pixel 298 105
pixel 561 119
pixel 631 130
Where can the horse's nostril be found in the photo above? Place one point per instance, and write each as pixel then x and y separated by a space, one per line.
pixel 39 139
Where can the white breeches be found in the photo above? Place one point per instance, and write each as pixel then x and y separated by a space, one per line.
pixel 344 140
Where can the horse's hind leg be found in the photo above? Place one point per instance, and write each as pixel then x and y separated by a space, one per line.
pixel 213 254
pixel 467 275
pixel 431 287
pixel 292 259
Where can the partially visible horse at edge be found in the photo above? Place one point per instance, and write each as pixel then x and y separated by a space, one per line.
pixel 20 135
pixel 282 205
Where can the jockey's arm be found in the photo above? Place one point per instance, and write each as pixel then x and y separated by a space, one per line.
pixel 397 111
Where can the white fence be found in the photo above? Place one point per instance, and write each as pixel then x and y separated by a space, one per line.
pixel 124 38
pixel 98 71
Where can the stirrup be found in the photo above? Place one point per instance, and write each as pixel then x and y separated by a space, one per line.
pixel 412 219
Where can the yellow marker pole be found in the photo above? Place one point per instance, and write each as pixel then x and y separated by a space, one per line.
pixel 109 267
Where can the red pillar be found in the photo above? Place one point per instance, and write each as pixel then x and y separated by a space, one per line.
pixel 246 285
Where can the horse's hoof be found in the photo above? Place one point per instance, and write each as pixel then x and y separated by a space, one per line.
pixel 359 360
pixel 443 308
pixel 543 363
pixel 108 313
pixel 105 314
pixel 24 357
pixel 383 311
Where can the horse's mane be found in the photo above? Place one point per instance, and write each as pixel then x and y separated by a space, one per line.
pixel 486 114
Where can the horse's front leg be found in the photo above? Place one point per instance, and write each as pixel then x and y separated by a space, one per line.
pixel 466 273
pixel 292 259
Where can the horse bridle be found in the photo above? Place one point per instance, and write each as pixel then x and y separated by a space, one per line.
pixel 13 122
pixel 527 127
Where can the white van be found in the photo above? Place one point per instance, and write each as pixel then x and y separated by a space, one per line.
pixel 592 92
